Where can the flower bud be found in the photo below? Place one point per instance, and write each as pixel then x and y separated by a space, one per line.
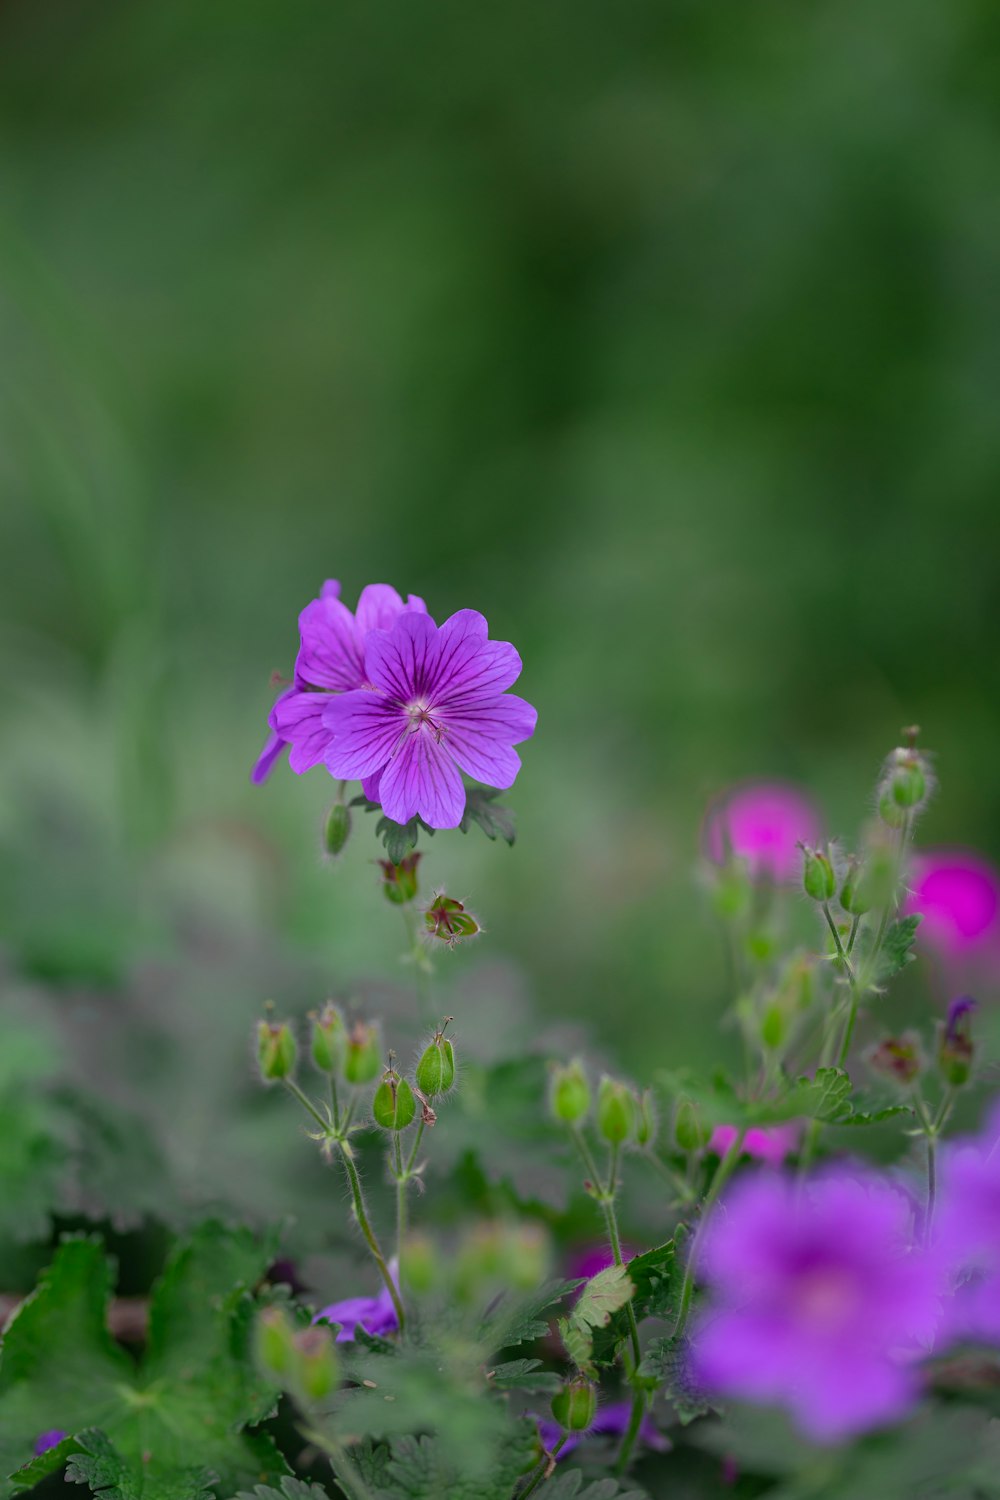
pixel 436 1069
pixel 394 1106
pixel 314 1373
pixel 274 1345
pixel 856 891
pixel 905 783
pixel 773 1027
pixel 338 828
pixel 900 1059
pixel 647 1121
pixel 616 1111
pixel 275 1051
pixel 399 882
pixel 818 878
pixel 892 815
pixel 689 1133
pixel 956 1048
pixel 569 1092
pixel 329 1039
pixel 362 1055
pixel 448 920
pixel 575 1406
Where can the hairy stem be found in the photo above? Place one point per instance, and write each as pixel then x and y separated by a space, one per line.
pixel 361 1214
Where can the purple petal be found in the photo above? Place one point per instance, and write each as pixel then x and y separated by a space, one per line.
pixel 298 718
pixel 379 607
pixel 330 656
pixel 365 729
pixel 466 665
pixel 480 736
pixel 47 1440
pixel 399 661
pixel 268 757
pixel 370 785
pixel 422 780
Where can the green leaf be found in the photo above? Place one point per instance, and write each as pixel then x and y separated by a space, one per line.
pixel 421 1468
pixel 656 1276
pixel 495 820
pixel 604 1295
pixel 399 838
pixel 665 1361
pixel 182 1412
pixel 524 1375
pixel 896 951
pixel 520 1322
pixel 566 1486
pixel 289 1489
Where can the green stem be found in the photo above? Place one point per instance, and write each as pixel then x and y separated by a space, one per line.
pixel 852 1016
pixel 361 1214
pixel 416 1148
pixel 307 1104
pixel 605 1197
pixel 631 1432
pixel 723 1172
pixel 543 1468
pixel 401 1180
pixel 853 935
pixel 838 942
pixel 334 1104
pixel 930 1130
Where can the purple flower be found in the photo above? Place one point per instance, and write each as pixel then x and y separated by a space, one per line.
pixel 46 1440
pixel 376 1315
pixel 437 706
pixel 958 894
pixel 331 659
pixel 587 1262
pixel 762 823
pixel 817 1301
pixel 769 1144
pixel 610 1421
pixel 968 1232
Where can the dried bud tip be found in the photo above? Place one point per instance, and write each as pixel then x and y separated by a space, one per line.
pixel 399 882
pixel 362 1055
pixel 328 1040
pixel 275 1051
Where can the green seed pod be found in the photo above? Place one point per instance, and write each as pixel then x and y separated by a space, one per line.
pixel 818 878
pixel 275 1051
pixel 394 1106
pixel 315 1373
pixel 575 1406
pixel 362 1055
pixel 892 815
pixel 647 1122
pixel 274 1345
pixel 617 1115
pixel 329 1039
pixel 338 828
pixel 856 891
pixel 435 1072
pixel 569 1092
pixel 447 919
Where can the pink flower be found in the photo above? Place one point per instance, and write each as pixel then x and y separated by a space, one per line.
pixel 769 1144
pixel 958 894
pixel 763 823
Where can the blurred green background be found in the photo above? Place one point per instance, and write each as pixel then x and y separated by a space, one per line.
pixel 666 334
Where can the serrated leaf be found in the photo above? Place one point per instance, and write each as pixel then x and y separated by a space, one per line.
pixel 421 1468
pixel 524 1375
pixel 400 839
pixel 603 1295
pixel 513 1322
pixel 289 1489
pixel 890 1111
pixel 495 820
pixel 567 1486
pixel 182 1411
pixel 666 1362
pixel 896 951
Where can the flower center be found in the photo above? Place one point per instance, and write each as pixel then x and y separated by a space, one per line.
pixel 826 1299
pixel 419 714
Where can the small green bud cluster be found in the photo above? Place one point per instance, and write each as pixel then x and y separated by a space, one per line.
pixel 905 784
pixel 395 1104
pixel 353 1056
pixel 623 1117
pixel 575 1406
pixel 301 1361
pixel 399 882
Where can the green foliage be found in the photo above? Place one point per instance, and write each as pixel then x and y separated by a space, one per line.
pixel 897 946
pixel 287 1489
pixel 665 1363
pixel 567 1486
pixel 161 1427
pixel 603 1295
pixel 482 807
pixel 523 1375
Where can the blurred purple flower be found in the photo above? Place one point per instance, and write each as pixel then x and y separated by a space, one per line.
pixel 817 1301
pixel 611 1421
pixel 958 894
pixel 331 659
pixel 770 1144
pixel 763 822
pixel 593 1258
pixel 968 1231
pixel 376 1315
pixel 439 707
pixel 47 1440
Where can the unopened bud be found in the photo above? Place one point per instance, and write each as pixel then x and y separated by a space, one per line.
pixel 569 1092
pixel 905 783
pixel 956 1048
pixel 399 882
pixel 900 1059
pixel 394 1106
pixel 362 1055
pixel 818 878
pixel 448 920
pixel 435 1072
pixel 338 828
pixel 856 891
pixel 314 1373
pixel 616 1111
pixel 773 1027
pixel 647 1121
pixel 274 1345
pixel 329 1039
pixel 689 1133
pixel 275 1051
pixel 575 1406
